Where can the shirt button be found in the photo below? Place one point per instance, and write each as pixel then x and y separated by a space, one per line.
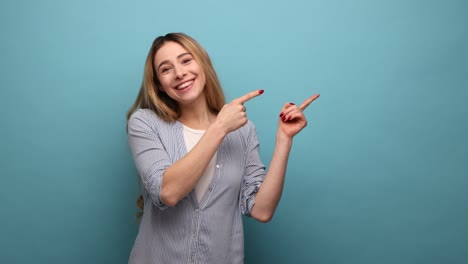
pixel 217 166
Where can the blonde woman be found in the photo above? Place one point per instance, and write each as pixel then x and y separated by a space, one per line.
pixel 198 159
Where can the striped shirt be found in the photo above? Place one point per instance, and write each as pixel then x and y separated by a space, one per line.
pixel 209 231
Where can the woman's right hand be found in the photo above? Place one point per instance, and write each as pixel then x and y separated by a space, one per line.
pixel 232 116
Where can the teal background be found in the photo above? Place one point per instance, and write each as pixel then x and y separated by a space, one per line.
pixel 380 175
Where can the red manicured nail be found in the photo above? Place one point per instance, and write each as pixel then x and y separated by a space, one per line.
pixel 260 91
pixel 281 115
pixel 292 103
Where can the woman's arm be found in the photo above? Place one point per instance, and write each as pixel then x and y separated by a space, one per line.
pixel 181 177
pixel 292 121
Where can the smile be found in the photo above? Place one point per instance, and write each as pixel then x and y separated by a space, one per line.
pixel 184 85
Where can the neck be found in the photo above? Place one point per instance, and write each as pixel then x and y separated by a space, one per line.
pixel 197 116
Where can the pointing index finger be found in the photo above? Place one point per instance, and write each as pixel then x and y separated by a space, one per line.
pixel 247 97
pixel 308 101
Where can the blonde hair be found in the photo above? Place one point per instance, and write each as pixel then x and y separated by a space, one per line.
pixel 152 97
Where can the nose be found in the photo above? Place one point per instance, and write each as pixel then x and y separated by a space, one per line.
pixel 179 72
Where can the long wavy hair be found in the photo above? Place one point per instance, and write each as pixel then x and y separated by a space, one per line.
pixel 151 96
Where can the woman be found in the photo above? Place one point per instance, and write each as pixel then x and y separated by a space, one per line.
pixel 198 159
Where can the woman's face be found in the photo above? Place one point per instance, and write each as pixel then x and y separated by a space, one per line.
pixel 179 74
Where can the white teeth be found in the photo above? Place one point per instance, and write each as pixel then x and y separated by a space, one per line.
pixel 185 84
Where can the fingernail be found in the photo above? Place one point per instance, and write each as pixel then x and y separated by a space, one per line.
pixel 260 91
pixel 281 115
pixel 292 103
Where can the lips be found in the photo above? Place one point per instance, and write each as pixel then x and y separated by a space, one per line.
pixel 184 84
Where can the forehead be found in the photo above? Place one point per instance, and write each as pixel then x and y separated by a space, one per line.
pixel 168 52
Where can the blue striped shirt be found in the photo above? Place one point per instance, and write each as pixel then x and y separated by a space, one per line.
pixel 209 231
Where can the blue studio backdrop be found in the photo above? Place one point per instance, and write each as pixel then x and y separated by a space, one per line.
pixel 380 175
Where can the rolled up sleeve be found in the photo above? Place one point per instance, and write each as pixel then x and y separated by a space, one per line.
pixel 150 157
pixel 254 172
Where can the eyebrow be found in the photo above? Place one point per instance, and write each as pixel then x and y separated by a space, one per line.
pixel 166 61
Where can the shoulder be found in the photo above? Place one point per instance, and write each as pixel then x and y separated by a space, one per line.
pixel 145 118
pixel 247 133
pixel 143 114
pixel 248 128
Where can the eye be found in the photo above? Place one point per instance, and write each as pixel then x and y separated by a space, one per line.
pixel 186 60
pixel 165 69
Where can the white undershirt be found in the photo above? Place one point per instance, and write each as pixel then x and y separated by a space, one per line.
pixel 191 137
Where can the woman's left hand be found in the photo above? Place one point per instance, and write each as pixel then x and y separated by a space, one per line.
pixel 292 119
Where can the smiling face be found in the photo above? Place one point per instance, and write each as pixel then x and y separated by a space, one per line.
pixel 179 74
